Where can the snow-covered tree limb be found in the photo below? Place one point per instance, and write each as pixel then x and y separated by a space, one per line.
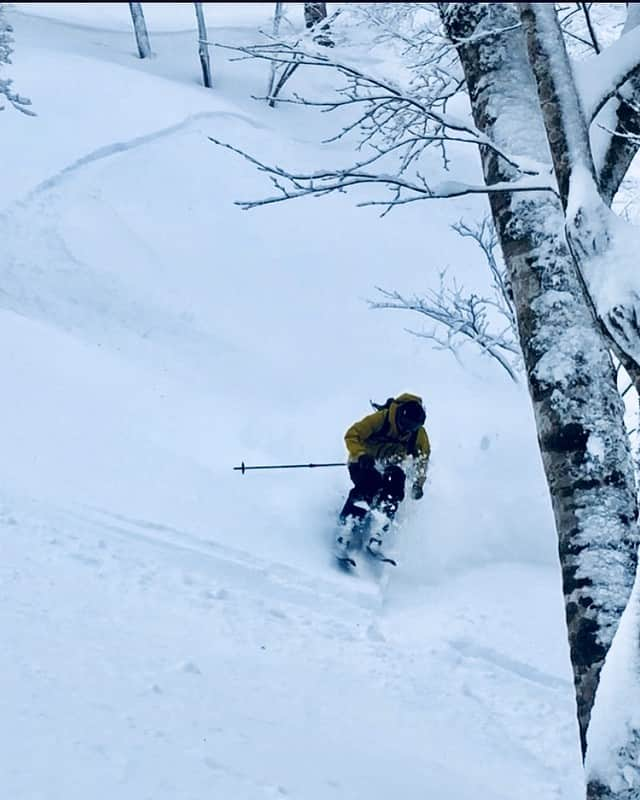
pixel 622 118
pixel 379 94
pixel 467 317
pixel 559 99
pixel 291 185
pixel 600 77
pixel 6 90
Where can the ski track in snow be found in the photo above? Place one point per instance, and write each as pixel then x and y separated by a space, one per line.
pixel 254 574
pixel 471 650
pixel 116 148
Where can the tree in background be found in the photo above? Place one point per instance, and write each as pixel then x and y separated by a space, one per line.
pixel 140 30
pixel 318 27
pixel 315 15
pixel 203 47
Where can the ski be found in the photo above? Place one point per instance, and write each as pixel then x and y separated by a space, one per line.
pixel 346 561
pixel 380 556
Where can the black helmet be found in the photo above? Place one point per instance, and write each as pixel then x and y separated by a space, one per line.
pixel 410 416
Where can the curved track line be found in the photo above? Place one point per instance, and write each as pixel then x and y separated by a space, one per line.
pixel 115 148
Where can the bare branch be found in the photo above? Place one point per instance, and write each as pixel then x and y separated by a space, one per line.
pixel 461 318
pixel 587 16
pixel 404 190
pixel 425 112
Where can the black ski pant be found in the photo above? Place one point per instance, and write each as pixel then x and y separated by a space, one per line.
pixel 381 490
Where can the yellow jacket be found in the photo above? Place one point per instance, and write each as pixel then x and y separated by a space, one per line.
pixel 378 436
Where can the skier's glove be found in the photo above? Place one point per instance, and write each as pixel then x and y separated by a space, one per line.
pixel 416 491
pixel 366 462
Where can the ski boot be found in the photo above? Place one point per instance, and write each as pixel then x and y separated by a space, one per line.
pixel 376 535
pixel 349 537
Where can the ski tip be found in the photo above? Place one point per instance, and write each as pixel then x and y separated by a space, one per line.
pixel 345 562
pixel 375 554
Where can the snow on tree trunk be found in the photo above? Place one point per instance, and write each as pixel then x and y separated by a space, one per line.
pixel 314 14
pixel 561 111
pixel 613 768
pixel 203 47
pixel 277 19
pixel 613 756
pixel 6 41
pixel 578 410
pixel 602 244
pixel 622 118
pixel 613 765
pixel 140 30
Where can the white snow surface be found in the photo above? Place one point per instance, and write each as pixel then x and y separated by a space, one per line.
pixel 171 628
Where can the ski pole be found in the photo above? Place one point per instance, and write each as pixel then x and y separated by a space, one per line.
pixel 243 467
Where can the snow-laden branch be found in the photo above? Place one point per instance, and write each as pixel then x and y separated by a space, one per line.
pixel 461 318
pixel 600 77
pixel 387 91
pixel 6 40
pixel 620 121
pixel 291 185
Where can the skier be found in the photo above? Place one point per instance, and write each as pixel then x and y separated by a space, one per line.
pixel 378 445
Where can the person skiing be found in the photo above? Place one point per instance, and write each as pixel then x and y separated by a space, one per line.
pixel 378 445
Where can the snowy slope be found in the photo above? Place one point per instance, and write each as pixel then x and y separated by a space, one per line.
pixel 176 630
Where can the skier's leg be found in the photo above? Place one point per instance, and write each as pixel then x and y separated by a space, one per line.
pixel 386 503
pixel 392 494
pixel 367 484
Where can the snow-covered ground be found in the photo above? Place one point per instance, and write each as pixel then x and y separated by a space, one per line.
pixel 171 628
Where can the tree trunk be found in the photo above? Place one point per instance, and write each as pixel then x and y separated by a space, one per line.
pixel 614 736
pixel 314 13
pixel 586 224
pixel 623 119
pixel 577 407
pixel 203 47
pixel 140 30
pixel 277 19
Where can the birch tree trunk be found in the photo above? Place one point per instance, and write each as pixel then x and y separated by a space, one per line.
pixel 277 19
pixel 624 120
pixel 314 13
pixel 613 756
pixel 140 30
pixel 578 410
pixel 203 47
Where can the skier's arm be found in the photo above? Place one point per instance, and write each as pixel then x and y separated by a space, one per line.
pixel 356 437
pixel 421 458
